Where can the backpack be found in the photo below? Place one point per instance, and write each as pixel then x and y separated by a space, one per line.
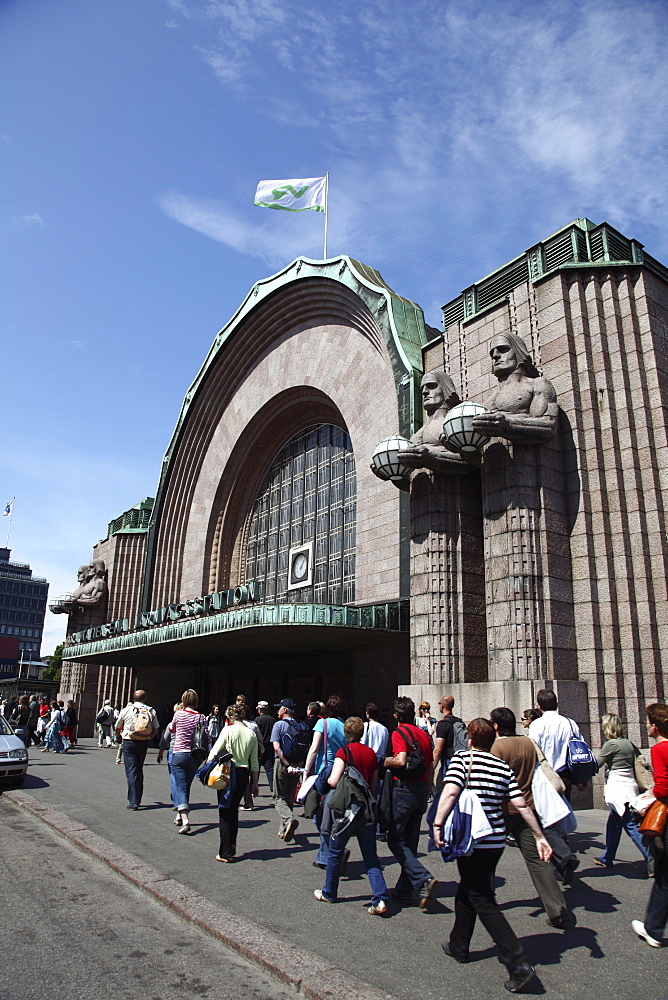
pixel 140 725
pixel 199 745
pixel 295 745
pixel 580 761
pixel 460 736
pixel 415 763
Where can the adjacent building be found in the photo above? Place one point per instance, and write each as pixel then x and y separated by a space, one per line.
pixel 22 610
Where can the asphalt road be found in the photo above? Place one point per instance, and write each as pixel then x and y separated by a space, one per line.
pixel 272 883
pixel 70 926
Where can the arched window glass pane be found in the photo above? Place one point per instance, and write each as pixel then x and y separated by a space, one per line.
pixel 308 495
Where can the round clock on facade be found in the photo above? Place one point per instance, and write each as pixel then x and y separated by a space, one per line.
pixel 299 567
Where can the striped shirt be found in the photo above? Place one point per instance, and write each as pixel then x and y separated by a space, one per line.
pixel 183 727
pixel 492 779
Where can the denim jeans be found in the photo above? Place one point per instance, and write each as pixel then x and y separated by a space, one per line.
pixel 184 767
pixel 613 833
pixel 409 803
pixel 322 856
pixel 134 755
pixel 172 785
pixel 366 838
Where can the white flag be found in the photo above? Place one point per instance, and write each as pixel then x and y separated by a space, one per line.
pixel 8 508
pixel 294 195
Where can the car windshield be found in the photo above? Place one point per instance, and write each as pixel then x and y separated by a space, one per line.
pixel 5 728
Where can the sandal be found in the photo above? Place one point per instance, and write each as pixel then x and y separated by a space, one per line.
pixel 177 820
pixel 226 861
pixel 185 828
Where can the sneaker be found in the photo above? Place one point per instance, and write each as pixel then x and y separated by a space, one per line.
pixel 462 959
pixel 319 894
pixel 519 977
pixel 426 890
pixel 639 927
pixel 290 830
pixel 378 909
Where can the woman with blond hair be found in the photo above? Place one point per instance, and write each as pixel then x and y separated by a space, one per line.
pixel 617 755
pixel 184 763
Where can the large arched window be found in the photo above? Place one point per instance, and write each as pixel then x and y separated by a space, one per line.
pixel 308 496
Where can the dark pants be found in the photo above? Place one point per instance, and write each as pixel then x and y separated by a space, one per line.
pixel 228 816
pixel 541 872
pixel 134 755
pixel 409 803
pixel 561 852
pixel 268 766
pixel 656 916
pixel 475 898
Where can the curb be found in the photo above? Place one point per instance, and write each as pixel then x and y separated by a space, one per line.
pixel 302 970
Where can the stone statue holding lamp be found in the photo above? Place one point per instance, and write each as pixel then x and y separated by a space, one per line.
pixel 523 407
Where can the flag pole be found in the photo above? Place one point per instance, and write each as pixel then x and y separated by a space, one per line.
pixel 324 252
pixel 9 526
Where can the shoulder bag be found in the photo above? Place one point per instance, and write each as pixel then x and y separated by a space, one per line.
pixel 654 820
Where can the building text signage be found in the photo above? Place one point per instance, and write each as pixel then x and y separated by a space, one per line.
pixel 211 604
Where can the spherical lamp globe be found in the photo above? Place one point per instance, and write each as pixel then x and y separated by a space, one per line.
pixel 385 458
pixel 458 427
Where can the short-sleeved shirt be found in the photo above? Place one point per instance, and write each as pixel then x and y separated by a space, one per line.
pixel 422 739
pixel 363 758
pixel 183 727
pixel 279 730
pixel 444 732
pixel 552 733
pixel 375 736
pixel 335 740
pixel 519 752
pixel 127 713
pixel 493 781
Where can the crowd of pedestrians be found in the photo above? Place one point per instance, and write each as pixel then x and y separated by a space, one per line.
pixel 357 780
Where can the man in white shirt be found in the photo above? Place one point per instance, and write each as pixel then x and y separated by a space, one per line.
pixel 136 725
pixel 375 734
pixel 552 732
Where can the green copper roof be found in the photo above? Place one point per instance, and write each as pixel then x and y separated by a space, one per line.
pixel 579 244
pixel 134 520
pixel 211 635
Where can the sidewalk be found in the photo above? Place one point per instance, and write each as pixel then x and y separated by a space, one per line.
pixel 272 885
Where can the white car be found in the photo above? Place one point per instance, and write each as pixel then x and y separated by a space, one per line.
pixel 13 756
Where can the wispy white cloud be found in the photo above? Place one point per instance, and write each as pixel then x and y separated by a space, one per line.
pixel 276 242
pixel 171 24
pixel 31 221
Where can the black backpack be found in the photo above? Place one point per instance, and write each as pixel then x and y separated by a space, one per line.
pixel 415 763
pixel 295 744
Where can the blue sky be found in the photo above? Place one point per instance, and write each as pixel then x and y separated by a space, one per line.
pixel 133 134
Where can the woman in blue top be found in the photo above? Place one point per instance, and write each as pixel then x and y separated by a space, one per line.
pixel 328 737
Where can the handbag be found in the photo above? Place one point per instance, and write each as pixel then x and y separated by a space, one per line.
pixel 551 775
pixel 550 805
pixel 642 771
pixel 220 775
pixel 654 821
pixel 199 745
